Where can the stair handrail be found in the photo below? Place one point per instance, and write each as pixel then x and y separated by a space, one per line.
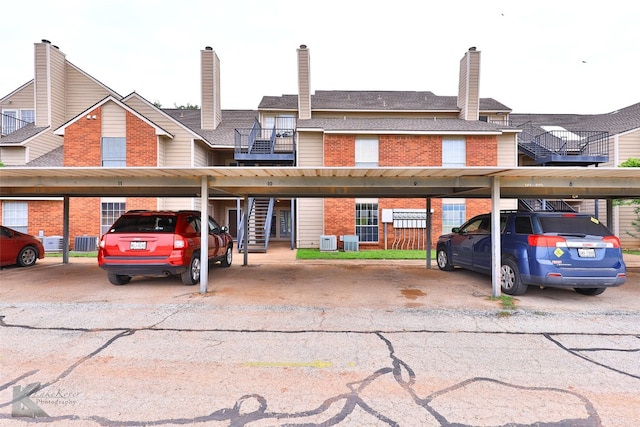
pixel 241 224
pixel 253 135
pixel 267 223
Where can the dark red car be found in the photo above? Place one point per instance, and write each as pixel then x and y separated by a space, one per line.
pixel 160 243
pixel 19 248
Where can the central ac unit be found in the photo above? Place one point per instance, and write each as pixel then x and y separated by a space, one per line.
pixel 328 243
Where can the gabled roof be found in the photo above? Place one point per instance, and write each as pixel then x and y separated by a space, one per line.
pixel 159 130
pixel 223 136
pixel 22 135
pixel 401 125
pixel 376 101
pixel 616 122
pixel 53 159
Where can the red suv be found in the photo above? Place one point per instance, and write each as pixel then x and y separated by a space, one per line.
pixel 152 243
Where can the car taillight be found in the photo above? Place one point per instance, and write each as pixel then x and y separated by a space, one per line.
pixel 179 242
pixel 546 241
pixel 612 240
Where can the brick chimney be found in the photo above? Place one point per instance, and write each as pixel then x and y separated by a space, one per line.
pixel 469 85
pixel 304 83
pixel 50 92
pixel 211 114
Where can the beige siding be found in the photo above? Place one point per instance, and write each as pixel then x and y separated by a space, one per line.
pixel 176 203
pixel 58 87
pixel 82 92
pixel 507 151
pixel 43 144
pixel 177 151
pixel 310 152
pixel 21 100
pixel 310 222
pixel 626 215
pixel 200 155
pixel 114 121
pixel 41 85
pixel 629 146
pixel 13 156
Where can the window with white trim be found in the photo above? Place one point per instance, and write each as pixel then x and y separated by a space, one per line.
pixel 12 120
pixel 366 151
pixel 114 152
pixel 454 212
pixel 367 220
pixel 15 215
pixel 110 210
pixel 454 152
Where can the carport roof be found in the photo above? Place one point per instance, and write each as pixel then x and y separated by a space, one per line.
pixel 469 182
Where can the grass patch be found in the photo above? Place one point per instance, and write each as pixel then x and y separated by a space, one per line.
pixel 365 254
pixel 506 301
pixel 631 251
pixel 73 254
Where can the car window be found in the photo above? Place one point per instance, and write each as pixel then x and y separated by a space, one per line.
pixel 474 226
pixel 145 224
pixel 213 226
pixel 193 224
pixel 573 225
pixel 523 225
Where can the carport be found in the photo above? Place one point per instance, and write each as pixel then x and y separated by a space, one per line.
pixel 294 182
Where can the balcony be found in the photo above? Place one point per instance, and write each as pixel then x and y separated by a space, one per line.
pixel 258 145
pixel 560 147
pixel 10 124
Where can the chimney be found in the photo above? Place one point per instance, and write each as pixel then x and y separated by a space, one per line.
pixel 211 114
pixel 50 91
pixel 304 83
pixel 469 85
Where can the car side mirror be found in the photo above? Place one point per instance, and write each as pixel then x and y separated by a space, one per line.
pixel 455 230
pixel 224 228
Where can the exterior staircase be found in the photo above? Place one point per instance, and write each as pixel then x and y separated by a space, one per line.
pixel 259 225
pixel 543 205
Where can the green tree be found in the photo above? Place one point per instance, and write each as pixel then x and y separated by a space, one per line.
pixel 189 106
pixel 632 163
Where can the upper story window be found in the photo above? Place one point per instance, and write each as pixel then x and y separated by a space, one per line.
pixel 366 151
pixel 114 152
pixel 283 123
pixel 12 120
pixel 454 152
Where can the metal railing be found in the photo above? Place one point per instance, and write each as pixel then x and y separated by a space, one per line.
pixel 10 124
pixel 257 143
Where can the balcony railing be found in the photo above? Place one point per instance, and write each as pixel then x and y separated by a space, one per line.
pixel 258 144
pixel 10 124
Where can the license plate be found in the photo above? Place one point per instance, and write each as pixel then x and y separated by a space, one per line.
pixel 138 245
pixel 586 252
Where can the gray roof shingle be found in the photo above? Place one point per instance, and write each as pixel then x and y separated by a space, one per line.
pixel 376 101
pixel 398 125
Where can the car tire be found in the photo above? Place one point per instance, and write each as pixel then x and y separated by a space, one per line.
pixel 510 280
pixel 27 256
pixel 442 258
pixel 589 291
pixel 228 257
pixel 118 279
pixel 192 275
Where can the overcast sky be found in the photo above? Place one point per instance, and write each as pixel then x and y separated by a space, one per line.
pixel 537 56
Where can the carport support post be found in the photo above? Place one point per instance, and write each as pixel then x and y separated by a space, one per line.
pixel 428 223
pixel 204 235
pixel 245 235
pixel 65 230
pixel 496 258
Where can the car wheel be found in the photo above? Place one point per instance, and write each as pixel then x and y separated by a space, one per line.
pixel 118 279
pixel 27 256
pixel 510 280
pixel 192 275
pixel 228 257
pixel 443 260
pixel 589 291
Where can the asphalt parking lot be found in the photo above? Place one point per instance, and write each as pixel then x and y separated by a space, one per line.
pixel 284 342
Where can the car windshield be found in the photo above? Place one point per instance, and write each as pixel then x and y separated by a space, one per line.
pixel 582 225
pixel 144 223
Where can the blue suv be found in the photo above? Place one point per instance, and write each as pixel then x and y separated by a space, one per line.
pixel 548 249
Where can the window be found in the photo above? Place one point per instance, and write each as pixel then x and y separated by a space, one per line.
pixel 109 212
pixel 12 120
pixel 285 124
pixel 15 215
pixel 367 220
pixel 114 152
pixel 453 214
pixel 366 151
pixel 454 153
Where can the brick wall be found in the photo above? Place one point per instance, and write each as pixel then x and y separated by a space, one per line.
pixel 82 141
pixel 142 147
pixel 401 150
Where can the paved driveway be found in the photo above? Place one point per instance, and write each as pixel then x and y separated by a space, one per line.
pixel 280 342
